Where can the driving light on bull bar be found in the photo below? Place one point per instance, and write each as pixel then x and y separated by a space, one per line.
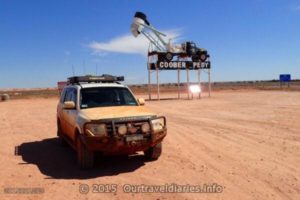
pixel 145 128
pixel 158 124
pixel 122 130
pixel 96 129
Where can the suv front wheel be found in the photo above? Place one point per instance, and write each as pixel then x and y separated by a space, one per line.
pixel 85 157
pixel 153 153
pixel 61 140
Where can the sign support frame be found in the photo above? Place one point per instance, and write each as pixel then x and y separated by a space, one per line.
pixel 154 67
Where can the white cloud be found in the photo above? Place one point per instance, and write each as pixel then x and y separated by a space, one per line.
pixel 128 44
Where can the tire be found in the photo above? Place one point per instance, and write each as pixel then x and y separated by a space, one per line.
pixel 169 56
pixel 153 153
pixel 203 56
pixel 61 139
pixel 85 157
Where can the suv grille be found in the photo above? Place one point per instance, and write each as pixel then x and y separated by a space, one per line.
pixel 132 127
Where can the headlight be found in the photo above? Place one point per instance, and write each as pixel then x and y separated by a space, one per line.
pixel 158 124
pixel 145 128
pixel 97 129
pixel 122 130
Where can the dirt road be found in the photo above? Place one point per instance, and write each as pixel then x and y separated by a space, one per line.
pixel 246 142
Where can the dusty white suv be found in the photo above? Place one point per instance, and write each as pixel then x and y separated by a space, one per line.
pixel 100 114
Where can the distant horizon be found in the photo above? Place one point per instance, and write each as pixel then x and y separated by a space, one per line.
pixel 154 83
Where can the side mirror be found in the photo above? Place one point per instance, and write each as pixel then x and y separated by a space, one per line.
pixel 141 101
pixel 69 105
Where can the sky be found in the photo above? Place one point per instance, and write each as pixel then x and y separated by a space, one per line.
pixel 42 42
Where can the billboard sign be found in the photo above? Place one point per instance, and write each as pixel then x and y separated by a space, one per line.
pixel 285 77
pixel 179 65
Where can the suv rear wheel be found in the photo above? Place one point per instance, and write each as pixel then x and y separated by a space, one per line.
pixel 85 157
pixel 153 153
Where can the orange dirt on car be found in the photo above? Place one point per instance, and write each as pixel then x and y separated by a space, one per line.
pixel 98 114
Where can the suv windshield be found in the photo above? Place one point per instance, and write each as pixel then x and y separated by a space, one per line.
pixel 106 96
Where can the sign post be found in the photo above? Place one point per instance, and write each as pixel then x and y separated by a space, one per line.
pixel 157 79
pixel 188 83
pixel 199 83
pixel 178 65
pixel 209 83
pixel 178 83
pixel 149 81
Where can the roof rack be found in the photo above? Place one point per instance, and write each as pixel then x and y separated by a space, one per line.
pixel 105 78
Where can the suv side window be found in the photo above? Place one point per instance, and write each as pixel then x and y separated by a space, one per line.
pixel 62 97
pixel 74 96
pixel 71 95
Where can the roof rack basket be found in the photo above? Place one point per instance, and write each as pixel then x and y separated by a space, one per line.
pixel 105 78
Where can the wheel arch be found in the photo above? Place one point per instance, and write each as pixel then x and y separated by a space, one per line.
pixel 76 135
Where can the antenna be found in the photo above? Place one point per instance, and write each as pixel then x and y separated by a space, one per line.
pixel 96 69
pixel 84 72
pixel 73 70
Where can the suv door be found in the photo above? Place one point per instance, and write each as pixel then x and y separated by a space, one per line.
pixel 69 115
pixel 60 108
